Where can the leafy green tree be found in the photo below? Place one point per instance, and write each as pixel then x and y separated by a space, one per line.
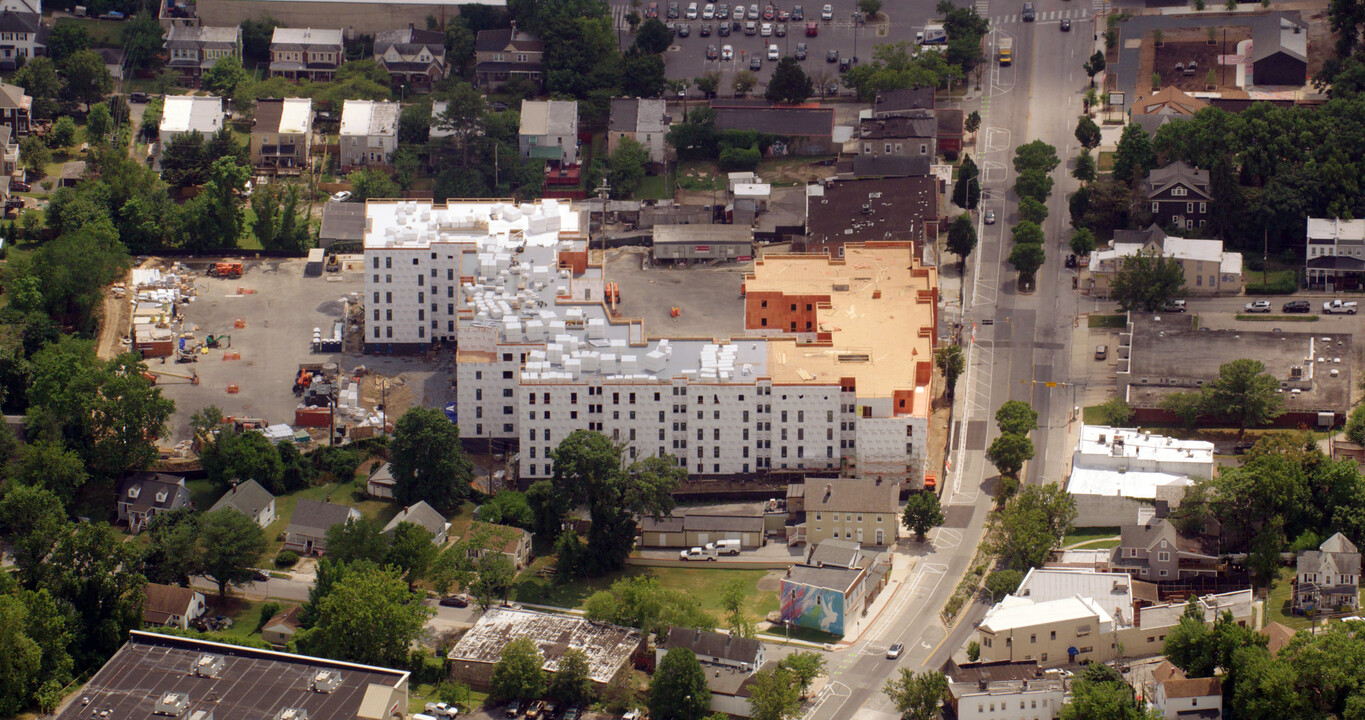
pixel 465 118
pixel 744 82
pixel 1032 210
pixel 1355 426
pixel 961 238
pixel 49 464
pixel 1003 582
pixel 1016 416
pixel 356 540
pixel 1187 406
pixel 973 122
pixel 517 675
pixel 34 154
pixel 140 37
pixel 804 666
pixel 411 550
pixel 494 580
pixel 87 78
pixel 234 457
pixel 98 123
pixel 653 36
pixel 1088 133
pixel 99 576
pixel 1082 242
pixel 772 694
pixel 1116 412
pixel 367 616
pixel 508 507
pixel 63 132
pixel 572 682
pixel 1033 183
pixel 1146 281
pixel 1244 393
pixel 214 219
pixel 1030 525
pixel 66 39
pixel 279 224
pixel 893 68
pixel 973 651
pixel 225 77
pixel 1134 156
pixel 626 167
pixel 174 553
pixel 1035 155
pixel 1086 169
pixel 38 77
pixel 678 689
pixel 789 83
pixel 1099 693
pixel 951 363
pixel 921 513
pixel 870 8
pixel 232 547
pixel 1095 65
pixel 708 83
pixel 917 696
pixel 967 191
pixel 642 602
pixel 414 124
pixel 428 461
pixel 1189 645
pixel 733 599
pixel 32 520
pixel 1009 452
pixel 371 183
pixel 20 657
pixel 1026 259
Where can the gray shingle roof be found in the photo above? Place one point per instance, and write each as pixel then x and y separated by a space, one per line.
pixel 714 644
pixel 419 514
pixel 314 518
pixel 249 497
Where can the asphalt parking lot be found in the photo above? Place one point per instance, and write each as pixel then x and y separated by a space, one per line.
pixel 846 33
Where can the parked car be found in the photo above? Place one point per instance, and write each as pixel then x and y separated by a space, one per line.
pixel 440 709
pixel 691 13
pixel 769 13
pixel 572 713
pixel 990 217
pixel 798 14
pixel 753 12
pixel 19 186
pixel 773 53
pixel 458 601
pixel 513 709
pixel 698 553
pixel 751 28
pixel 845 64
pixel 709 12
pixel 711 52
pixel 256 575
pixel 755 62
pixel 1297 306
pixel 1339 307
pixel 1258 306
pixel 812 29
pixel 498 106
pixel 894 651
pixel 780 30
pixel 766 30
pixel 1028 12
pixel 706 30
pixel 1241 447
pixel 672 9
pixel 722 12
pixel 827 13
pixel 1101 352
pixel 727 52
pixel 800 51
pixel 684 30
pixel 832 56
pixel 652 11
pixel 1070 261
pixel 724 29
pixel 1174 306
pixel 533 712
pixel 137 97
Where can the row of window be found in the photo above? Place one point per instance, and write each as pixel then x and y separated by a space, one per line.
pixel 1189 207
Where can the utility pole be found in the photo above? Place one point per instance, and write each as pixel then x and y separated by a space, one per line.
pixel 602 198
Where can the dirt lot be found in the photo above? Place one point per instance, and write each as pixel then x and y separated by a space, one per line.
pixel 707 295
pixel 280 307
pixel 1182 46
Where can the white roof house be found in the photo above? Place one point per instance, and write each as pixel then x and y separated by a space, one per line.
pixel 297 116
pixel 191 113
pixel 368 118
pixel 1334 230
pixel 1127 463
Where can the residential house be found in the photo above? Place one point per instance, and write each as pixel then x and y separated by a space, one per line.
pixel 380 484
pixel 805 130
pixel 1178 697
pixel 991 690
pixel 1179 196
pixel 250 499
pixel 911 135
pixel 1328 579
pixel 952 126
pixel 1279 636
pixel 1119 472
pixel 892 103
pixel 425 517
pixel 1209 269
pixel 513 542
pixel 310 522
pixel 16 107
pixel 833 587
pixel 727 661
pixel 1279 52
pixel 279 629
pixel 501 55
pixel 182 114
pixel 369 133
pixel 1170 104
pixel 1157 552
pixel 143 496
pixel 643 120
pixel 25 36
pixel 1335 253
pixel 282 134
pixel 171 605
pixel 192 50
pixel 306 53
pixel 549 130
pixel 414 58
pixel 861 510
pixel 10 167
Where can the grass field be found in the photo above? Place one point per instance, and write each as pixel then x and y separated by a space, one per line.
pixel 703 584
pixel 246 616
pixel 1088 535
pixel 1107 321
pixel 103 33
pixel 1278 603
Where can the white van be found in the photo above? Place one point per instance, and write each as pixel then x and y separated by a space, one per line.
pixel 724 547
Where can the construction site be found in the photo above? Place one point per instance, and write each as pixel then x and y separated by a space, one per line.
pixel 272 346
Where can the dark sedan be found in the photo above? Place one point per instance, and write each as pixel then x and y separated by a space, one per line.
pixel 1297 306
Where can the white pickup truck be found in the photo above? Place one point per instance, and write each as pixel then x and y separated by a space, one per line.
pixel 1339 307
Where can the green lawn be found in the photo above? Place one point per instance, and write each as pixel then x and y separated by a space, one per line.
pixel 1086 535
pixel 656 187
pixel 249 241
pixel 1118 321
pixel 1278 604
pixel 703 584
pixel 1098 544
pixel 1275 280
pixel 203 493
pixel 246 616
pixel 103 33
pixel 1106 162
pixel 1277 318
pixel 342 493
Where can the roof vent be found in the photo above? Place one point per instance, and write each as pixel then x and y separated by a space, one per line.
pixel 209 666
pixel 326 681
pixel 172 704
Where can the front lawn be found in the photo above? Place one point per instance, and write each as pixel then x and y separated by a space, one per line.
pixel 246 615
pixel 341 493
pixel 1087 535
pixel 703 584
pixel 1280 600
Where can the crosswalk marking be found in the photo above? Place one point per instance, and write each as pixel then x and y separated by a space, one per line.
pixel 618 16
pixel 1076 14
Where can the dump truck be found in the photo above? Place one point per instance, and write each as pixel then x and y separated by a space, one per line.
pixel 1006 49
pixel 226 270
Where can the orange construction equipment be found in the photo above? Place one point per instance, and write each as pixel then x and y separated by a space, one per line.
pixel 150 377
pixel 232 389
pixel 239 323
pixel 231 269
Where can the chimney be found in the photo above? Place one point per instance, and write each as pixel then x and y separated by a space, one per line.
pixel 981 685
pixel 879 480
pixel 829 490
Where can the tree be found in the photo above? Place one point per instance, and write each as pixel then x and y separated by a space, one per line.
pixel 32 520
pixel 1355 426
pixel 1009 452
pixel 232 547
pixel 973 651
pixel 411 550
pixel 20 657
pixel 626 167
pixel 708 83
pixel 174 553
pixel 371 183
pixel 1116 412
pixel 1003 582
pixel 1035 155
pixel 572 681
pixel 1245 393
pixel 428 462
pixel 38 77
pixel 141 39
pixel 1034 183
pixel 1095 65
pixel 642 602
pixel 99 576
pixel 279 223
pixel 1134 155
pixel 951 363
pixel 1187 406
pixel 1086 170
pixel 744 82
pixel 961 238
pixel 98 123
pixel 66 39
pixel 63 132
pixel 1032 210
pixel 967 191
pixel 87 78
pixel 357 540
pixel 789 83
pixel 921 513
pixel 870 7
pixel 973 122
pixel 508 507
pixel 772 694
pixel 35 155
pixel 653 37
pixel 414 125
pixel 1016 416
pixel 678 690
pixel 917 696
pixel 1100 693
pixel 234 457
pixel 494 580
pixel 1030 525
pixel 1026 259
pixel 804 666
pixel 214 219
pixel 49 464
pixel 1088 133
pixel 1146 281
pixel 1082 242
pixel 465 118
pixel 367 616
pixel 225 77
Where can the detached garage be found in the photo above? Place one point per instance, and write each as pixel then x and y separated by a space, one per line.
pixel 697 528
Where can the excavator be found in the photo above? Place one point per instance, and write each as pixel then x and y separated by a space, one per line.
pixel 215 341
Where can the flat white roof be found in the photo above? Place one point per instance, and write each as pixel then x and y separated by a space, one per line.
pixel 1014 613
pixel 1102 440
pixel 367 118
pixel 1109 590
pixel 296 115
pixel 1137 484
pixel 192 113
pixel 549 117
pixel 306 36
pixel 1336 229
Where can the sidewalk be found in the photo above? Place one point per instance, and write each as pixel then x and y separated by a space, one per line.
pixel 901 565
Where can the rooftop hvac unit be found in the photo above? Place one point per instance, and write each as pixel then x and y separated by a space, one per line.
pixel 291 714
pixel 171 704
pixel 326 681
pixel 209 666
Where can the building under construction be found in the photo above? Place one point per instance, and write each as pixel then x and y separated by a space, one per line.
pixel 609 648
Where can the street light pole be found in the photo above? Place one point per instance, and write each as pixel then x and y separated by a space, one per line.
pixel 855 37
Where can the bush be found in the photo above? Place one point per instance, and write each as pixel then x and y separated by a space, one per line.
pixel 739 159
pixel 950 155
pixel 286 558
pixel 268 610
pixel 1282 283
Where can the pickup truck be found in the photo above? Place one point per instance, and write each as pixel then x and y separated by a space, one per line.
pixel 1339 307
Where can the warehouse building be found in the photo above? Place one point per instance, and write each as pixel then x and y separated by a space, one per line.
pixel 609 648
